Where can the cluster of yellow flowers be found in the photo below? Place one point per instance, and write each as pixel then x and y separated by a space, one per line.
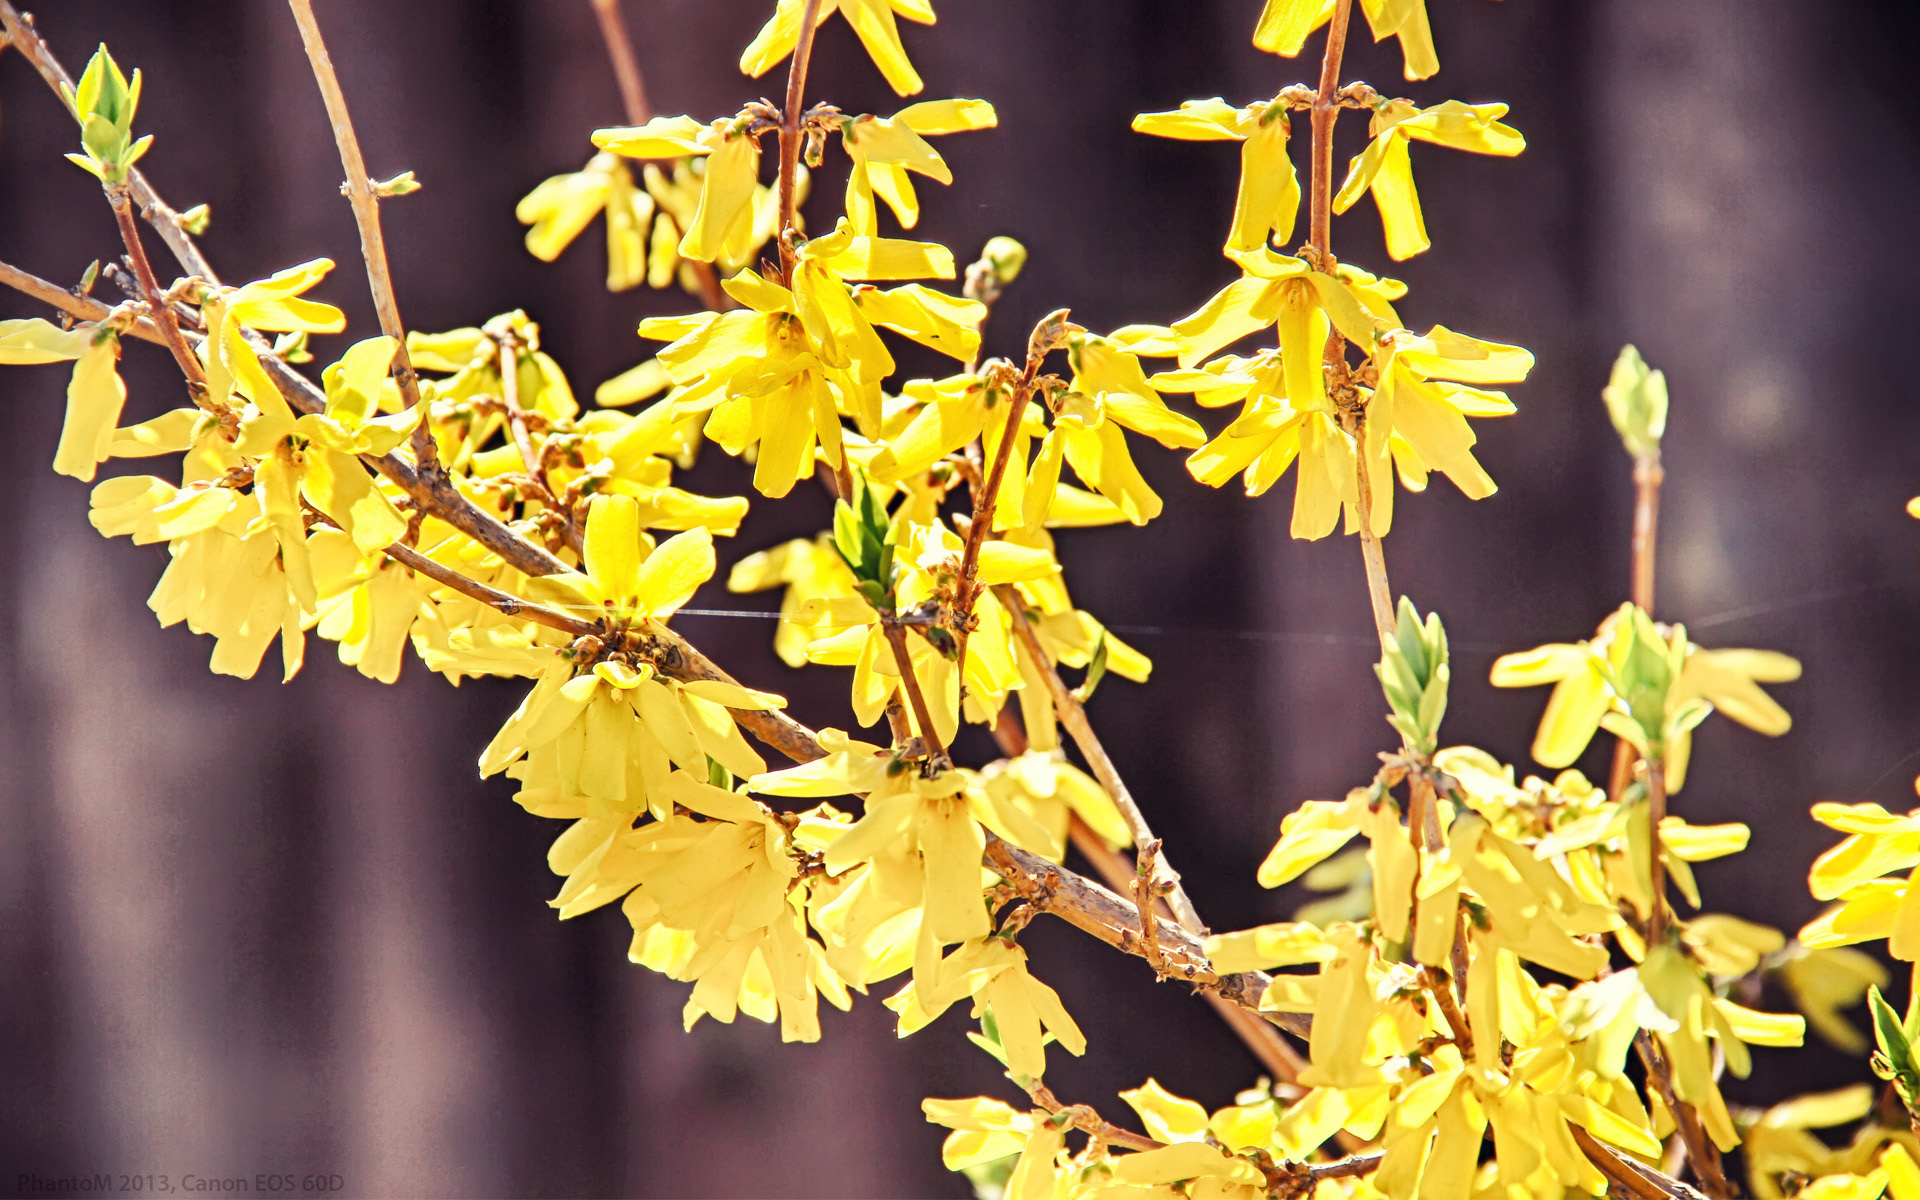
pixel 1505 1005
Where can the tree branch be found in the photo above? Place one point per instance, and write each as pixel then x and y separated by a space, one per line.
pixel 1631 1178
pixel 366 215
pixel 626 67
pixel 505 602
pixel 157 303
pixel 81 308
pixel 1074 717
pixel 790 134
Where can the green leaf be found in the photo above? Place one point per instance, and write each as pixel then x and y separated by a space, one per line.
pixel 1096 671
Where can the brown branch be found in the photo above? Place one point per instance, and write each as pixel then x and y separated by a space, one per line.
pixel 1089 1122
pixel 1701 1152
pixel 626 67
pixel 1647 477
pixel 1631 1179
pixel 505 602
pixel 1326 110
pixel 903 658
pixel 986 499
pixel 1279 1057
pixel 509 359
pixel 157 305
pixel 82 308
pixel 790 135
pixel 1074 717
pixel 1441 989
pixel 1142 888
pixel 1281 1060
pixel 1297 1181
pixel 1093 909
pixel 366 215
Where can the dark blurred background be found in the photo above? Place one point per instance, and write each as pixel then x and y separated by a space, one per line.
pixel 248 928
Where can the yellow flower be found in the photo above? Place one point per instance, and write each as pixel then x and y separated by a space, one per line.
pixel 1268 201
pixel 1871 907
pixel 884 149
pixel 872 20
pixel 986 1131
pixel 274 304
pixel 1385 169
pixel 226 576
pixel 1417 414
pixel 994 972
pixel 781 371
pixel 1584 692
pixel 564 205
pixel 1286 24
pixel 1109 393
pixel 724 221
pixel 316 457
pixel 931 824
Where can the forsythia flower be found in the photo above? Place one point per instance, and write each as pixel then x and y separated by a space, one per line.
pixel 1268 201
pixel 1585 679
pixel 1385 169
pixel 562 206
pixel 930 823
pixel 1285 26
pixel 724 223
pixel 872 20
pixel 1871 907
pixel 274 304
pixel 882 150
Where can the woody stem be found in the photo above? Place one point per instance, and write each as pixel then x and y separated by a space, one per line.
pixel 1074 717
pixel 903 658
pixel 1647 477
pixel 985 504
pixel 366 215
pixel 162 312
pixel 790 133
pixel 1326 110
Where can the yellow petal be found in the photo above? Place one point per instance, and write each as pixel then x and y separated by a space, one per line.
pixel 95 395
pixel 612 547
pixel 671 574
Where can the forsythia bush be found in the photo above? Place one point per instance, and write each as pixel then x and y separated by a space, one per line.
pixel 1508 1000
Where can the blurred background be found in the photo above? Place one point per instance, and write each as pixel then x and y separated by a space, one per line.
pixel 250 928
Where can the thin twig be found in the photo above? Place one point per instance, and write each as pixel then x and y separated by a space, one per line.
pixel 1142 887
pixel 366 215
pixel 1632 1179
pixel 1085 1119
pixel 157 305
pixel 1074 717
pixel 1441 989
pixel 790 134
pixel 505 602
pixel 909 680
pixel 1281 1060
pixel 1091 908
pixel 1297 1181
pixel 1326 110
pixel 1701 1152
pixel 626 67
pixel 509 360
pixel 83 308
pixel 986 502
pixel 1647 477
